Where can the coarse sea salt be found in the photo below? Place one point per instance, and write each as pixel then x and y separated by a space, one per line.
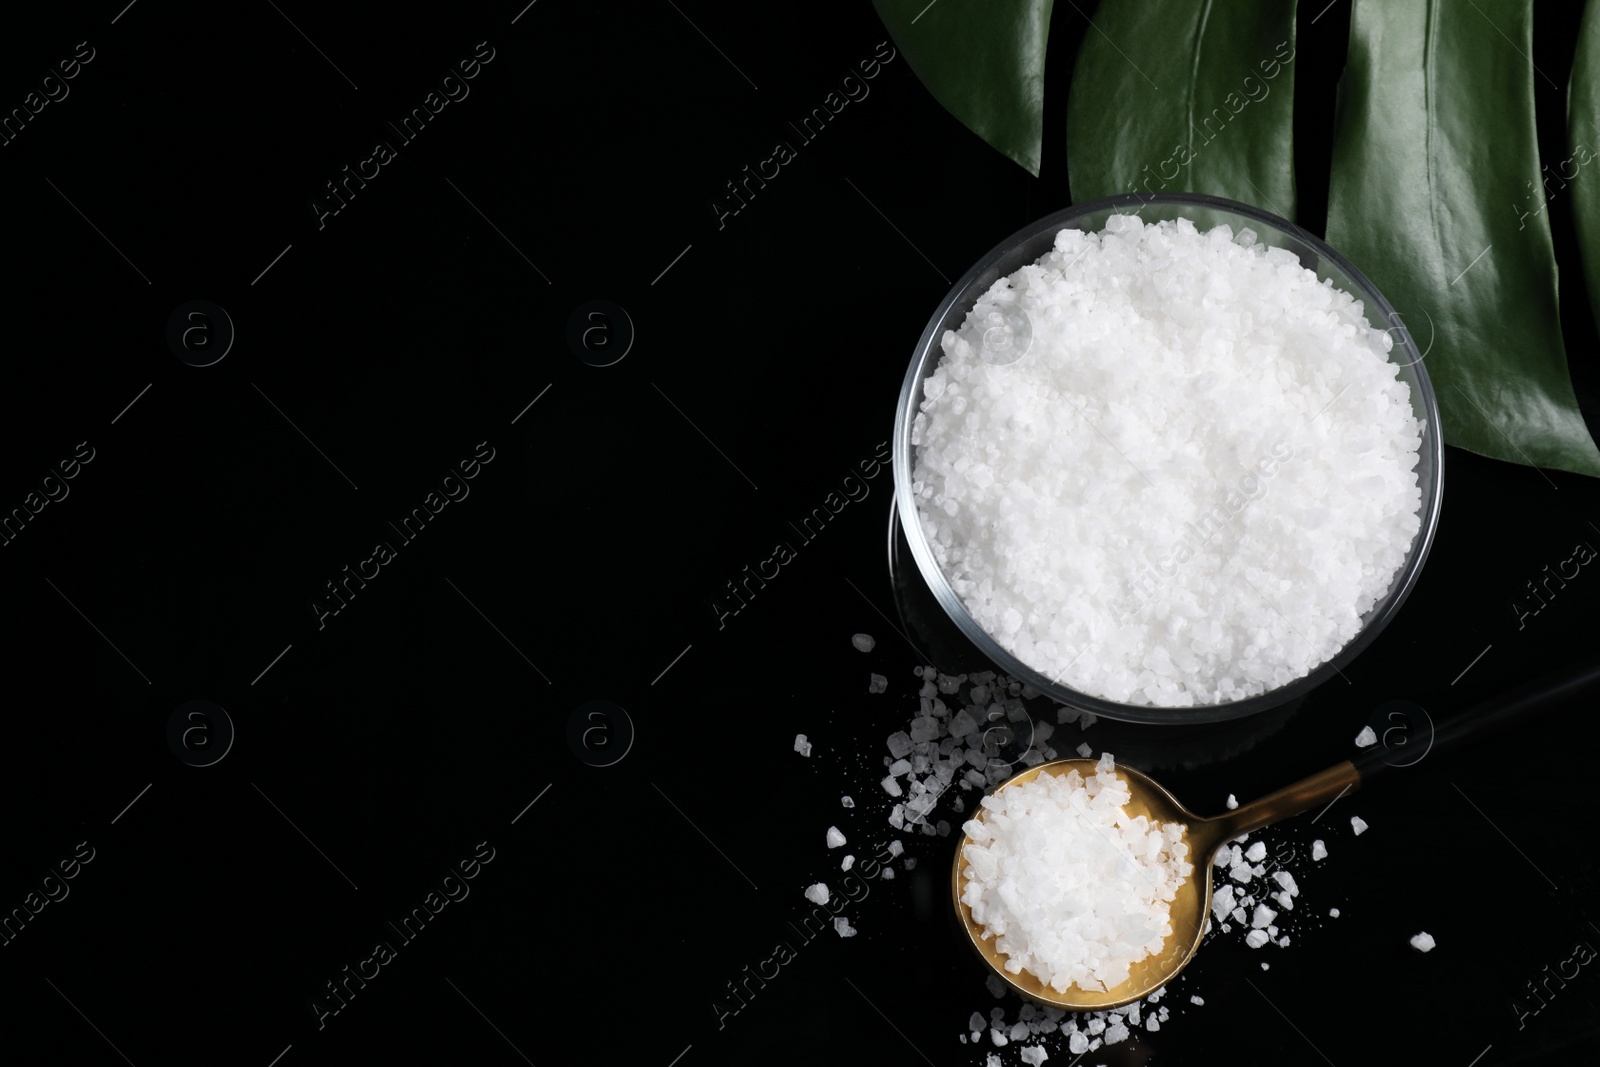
pixel 1358 824
pixel 1072 889
pixel 953 759
pixel 1191 487
pixel 1423 942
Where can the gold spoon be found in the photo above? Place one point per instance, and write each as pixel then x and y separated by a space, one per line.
pixel 1191 906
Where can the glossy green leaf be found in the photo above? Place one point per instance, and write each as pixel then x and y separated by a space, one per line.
pixel 1185 96
pixel 983 60
pixel 1433 195
pixel 1583 150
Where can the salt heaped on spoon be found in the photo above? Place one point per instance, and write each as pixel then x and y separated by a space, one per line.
pixel 956 756
pixel 1072 888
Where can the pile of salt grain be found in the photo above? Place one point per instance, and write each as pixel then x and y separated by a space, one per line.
pixel 1193 485
pixel 1071 888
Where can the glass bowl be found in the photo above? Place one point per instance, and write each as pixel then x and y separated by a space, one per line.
pixel 1034 241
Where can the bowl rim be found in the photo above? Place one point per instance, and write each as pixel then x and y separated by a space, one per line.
pixel 1379 616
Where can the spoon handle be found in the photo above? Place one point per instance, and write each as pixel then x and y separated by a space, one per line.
pixel 1486 717
pixel 1318 790
pixel 1478 721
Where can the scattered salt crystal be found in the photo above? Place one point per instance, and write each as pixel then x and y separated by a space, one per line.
pixel 899 744
pixel 817 894
pixel 1233 802
pixel 891 786
pixel 801 745
pixel 1263 916
pixel 863 642
pixel 1256 938
pixel 998 1037
pixel 1265 965
pixel 1085 751
pixel 976 1022
pixel 1116 1032
pixel 1034 1055
pixel 899 767
pixel 842 927
pixel 1283 942
pixel 1358 824
pixel 879 684
pixel 895 848
pixel 1318 850
pixel 1334 912
pixel 1256 852
pixel 888 873
pixel 1198 1001
pixel 849 861
pixel 992 1061
pixel 1222 901
pixel 1077 1044
pixel 1285 879
pixel 1423 942
pixel 1152 1024
pixel 1366 737
pixel 835 837
pixel 1018 1032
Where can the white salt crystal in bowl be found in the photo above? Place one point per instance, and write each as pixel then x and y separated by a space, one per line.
pixel 1150 432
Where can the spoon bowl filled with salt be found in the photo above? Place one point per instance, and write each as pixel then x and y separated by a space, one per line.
pixel 1085 885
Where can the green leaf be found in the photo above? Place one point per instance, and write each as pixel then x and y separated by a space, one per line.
pixel 1434 160
pixel 1185 96
pixel 983 60
pixel 1583 137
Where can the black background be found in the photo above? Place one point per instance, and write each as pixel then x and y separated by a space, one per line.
pixel 429 713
